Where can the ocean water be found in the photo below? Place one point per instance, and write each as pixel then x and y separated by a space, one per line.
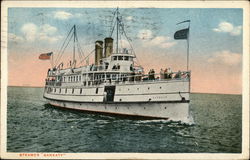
pixel 34 126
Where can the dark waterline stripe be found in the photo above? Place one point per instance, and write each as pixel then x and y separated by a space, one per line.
pixel 120 102
pixel 110 113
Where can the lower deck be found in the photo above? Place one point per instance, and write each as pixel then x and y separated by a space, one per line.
pixel 176 111
pixel 160 91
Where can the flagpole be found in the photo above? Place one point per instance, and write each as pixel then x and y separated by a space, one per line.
pixel 52 61
pixel 189 73
pixel 188 46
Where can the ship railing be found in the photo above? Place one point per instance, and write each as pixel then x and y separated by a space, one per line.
pixel 53 83
pixel 160 76
pixel 138 78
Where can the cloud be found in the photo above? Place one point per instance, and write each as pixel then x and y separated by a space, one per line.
pixel 62 15
pixel 226 57
pixel 145 34
pixel 236 31
pixel 46 38
pixel 46 33
pixel 14 38
pixel 159 41
pixel 29 30
pixel 48 29
pixel 227 27
pixel 162 41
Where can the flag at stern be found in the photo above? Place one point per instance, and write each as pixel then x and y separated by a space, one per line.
pixel 45 56
pixel 181 34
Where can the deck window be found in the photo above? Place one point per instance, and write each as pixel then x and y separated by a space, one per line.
pixel 120 58
pixel 114 58
pixel 81 91
pixel 114 77
pixel 65 90
pixel 96 91
pixel 126 58
pixel 72 90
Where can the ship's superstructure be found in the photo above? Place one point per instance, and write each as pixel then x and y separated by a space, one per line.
pixel 114 84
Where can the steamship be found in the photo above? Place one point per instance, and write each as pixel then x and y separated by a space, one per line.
pixel 114 84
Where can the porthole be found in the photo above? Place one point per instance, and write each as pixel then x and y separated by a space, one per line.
pixel 165 107
pixel 120 99
pixel 144 108
pixel 148 88
pixel 137 88
pixel 160 87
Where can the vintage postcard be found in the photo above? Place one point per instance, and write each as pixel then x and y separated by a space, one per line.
pixel 124 80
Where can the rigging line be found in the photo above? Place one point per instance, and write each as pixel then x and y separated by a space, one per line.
pixel 63 44
pixel 111 31
pixel 113 28
pixel 113 22
pixel 120 37
pixel 80 55
pixel 68 38
pixel 79 47
pixel 130 43
pixel 78 44
pixel 65 48
pixel 88 55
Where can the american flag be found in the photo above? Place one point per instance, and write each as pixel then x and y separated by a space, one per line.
pixel 45 56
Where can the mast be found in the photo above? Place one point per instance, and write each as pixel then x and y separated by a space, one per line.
pixel 74 32
pixel 117 29
pixel 188 46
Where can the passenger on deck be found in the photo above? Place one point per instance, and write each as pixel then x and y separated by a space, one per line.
pixel 138 76
pixel 151 74
pixel 132 76
pixel 178 75
pixel 131 67
pixel 161 74
pixel 114 67
pixel 169 73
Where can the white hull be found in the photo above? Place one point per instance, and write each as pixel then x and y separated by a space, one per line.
pixel 162 99
pixel 170 111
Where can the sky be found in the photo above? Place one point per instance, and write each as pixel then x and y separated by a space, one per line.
pixel 215 42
